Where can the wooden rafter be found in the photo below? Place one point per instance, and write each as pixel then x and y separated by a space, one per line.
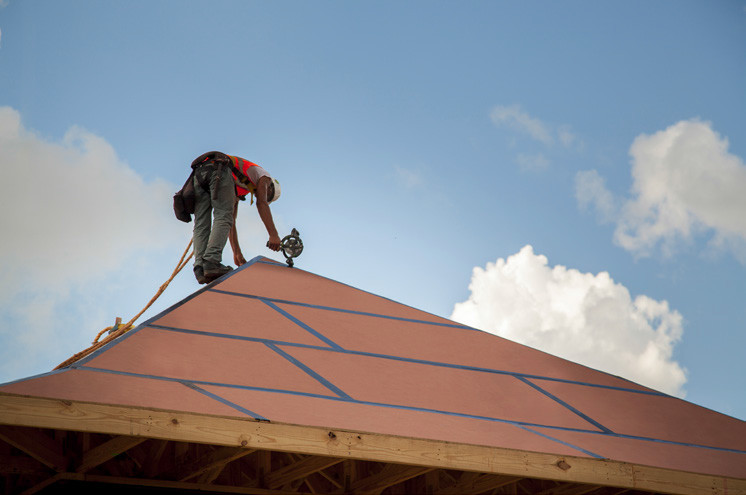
pixel 478 483
pixel 299 470
pixel 392 474
pixel 151 465
pixel 570 490
pixel 263 467
pixel 216 459
pixel 36 444
pixel 179 485
pixel 17 464
pixel 108 450
pixel 211 474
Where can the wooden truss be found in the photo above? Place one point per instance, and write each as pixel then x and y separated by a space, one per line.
pixel 54 446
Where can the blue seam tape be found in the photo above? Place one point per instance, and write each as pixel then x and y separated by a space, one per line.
pixel 378 296
pixel 424 322
pixel 224 401
pixel 592 454
pixel 411 408
pixel 230 336
pixel 200 291
pixel 404 359
pixel 108 346
pixel 340 310
pixel 33 377
pixel 307 328
pixel 337 398
pixel 206 383
pixel 565 405
pixel 673 442
pixel 313 374
pixel 147 322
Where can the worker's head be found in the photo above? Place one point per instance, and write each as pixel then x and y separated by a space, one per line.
pixel 274 191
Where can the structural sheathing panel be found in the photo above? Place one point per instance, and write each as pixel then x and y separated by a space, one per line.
pixel 272 343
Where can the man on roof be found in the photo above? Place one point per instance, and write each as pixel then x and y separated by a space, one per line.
pixel 220 180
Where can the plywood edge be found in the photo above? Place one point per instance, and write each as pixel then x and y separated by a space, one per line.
pixel 228 431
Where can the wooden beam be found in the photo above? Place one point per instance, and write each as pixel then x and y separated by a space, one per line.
pixel 330 479
pixel 316 483
pixel 217 458
pixel 211 475
pixel 432 482
pixel 40 486
pixel 238 432
pixel 349 474
pixel 36 444
pixel 263 460
pixel 300 469
pixel 107 450
pixel 179 485
pixel 152 463
pixel 570 489
pixel 21 464
pixel 391 475
pixel 479 484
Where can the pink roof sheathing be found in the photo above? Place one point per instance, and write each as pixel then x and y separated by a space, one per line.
pixel 278 344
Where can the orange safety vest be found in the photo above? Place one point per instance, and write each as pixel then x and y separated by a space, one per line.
pixel 243 165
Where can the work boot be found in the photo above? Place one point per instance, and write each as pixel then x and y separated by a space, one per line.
pixel 200 275
pixel 214 270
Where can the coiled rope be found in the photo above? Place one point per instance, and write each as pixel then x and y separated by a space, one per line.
pixel 118 329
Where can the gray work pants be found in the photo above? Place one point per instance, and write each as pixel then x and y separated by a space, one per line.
pixel 214 195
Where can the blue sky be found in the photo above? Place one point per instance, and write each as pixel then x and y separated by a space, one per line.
pixel 567 174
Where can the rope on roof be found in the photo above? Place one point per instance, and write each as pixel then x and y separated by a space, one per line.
pixel 117 329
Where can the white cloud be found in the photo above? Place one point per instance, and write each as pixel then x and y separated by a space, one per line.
pixel 590 190
pixel 76 199
pixel 546 135
pixel 567 137
pixel 685 182
pixel 82 232
pixel 582 317
pixel 514 117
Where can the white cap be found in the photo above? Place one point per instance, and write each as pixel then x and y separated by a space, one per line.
pixel 277 190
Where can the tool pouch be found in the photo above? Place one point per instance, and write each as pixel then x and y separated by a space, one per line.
pixel 184 200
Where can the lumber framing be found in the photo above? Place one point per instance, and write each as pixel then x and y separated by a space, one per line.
pixel 46 442
pixel 37 445
pixel 106 451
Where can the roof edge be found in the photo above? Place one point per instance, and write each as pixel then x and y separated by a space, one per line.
pixel 27 411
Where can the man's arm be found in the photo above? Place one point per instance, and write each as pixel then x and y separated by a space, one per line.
pixel 262 193
pixel 238 258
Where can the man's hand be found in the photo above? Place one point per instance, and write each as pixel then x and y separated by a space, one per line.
pixel 238 259
pixel 274 242
pixel 262 204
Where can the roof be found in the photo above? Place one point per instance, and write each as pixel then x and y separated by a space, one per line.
pixel 277 345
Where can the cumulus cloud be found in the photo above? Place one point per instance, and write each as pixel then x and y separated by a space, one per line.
pixel 76 199
pixel 586 318
pixel 685 183
pixel 79 226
